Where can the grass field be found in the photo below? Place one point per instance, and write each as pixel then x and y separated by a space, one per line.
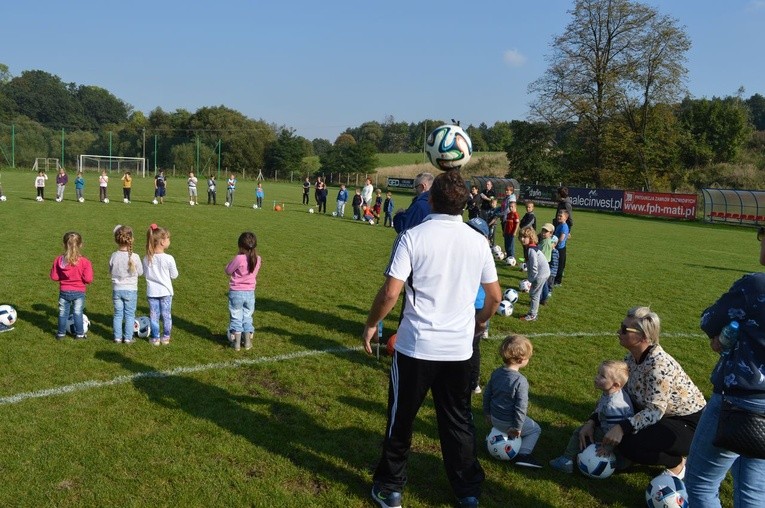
pixel 298 420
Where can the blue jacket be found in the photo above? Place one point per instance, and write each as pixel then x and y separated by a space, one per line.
pixel 414 215
pixel 741 371
pixel 342 195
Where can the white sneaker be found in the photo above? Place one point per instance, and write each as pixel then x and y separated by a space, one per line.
pixel 477 389
pixel 485 334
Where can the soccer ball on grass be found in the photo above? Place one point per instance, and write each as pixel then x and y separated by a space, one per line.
pixel 85 325
pixel 505 308
pixel 3 198
pixel 106 201
pixel 7 315
pixel 154 201
pixel 39 198
pixel 666 491
pixel 142 327
pixel 81 200
pixel 448 147
pixel 511 261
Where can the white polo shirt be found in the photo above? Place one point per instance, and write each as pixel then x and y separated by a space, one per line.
pixel 442 262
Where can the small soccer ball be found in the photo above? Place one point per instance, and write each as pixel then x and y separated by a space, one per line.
pixel 226 204
pixel 278 208
pixel 496 250
pixel 524 286
pixel 191 203
pixel 85 325
pixel 502 447
pixel 355 217
pixel 106 201
pixel 58 200
pixel 511 261
pixel 142 327
pixel 591 464
pixel 334 214
pixel 39 198
pixel 511 295
pixel 255 206
pixel 371 222
pixel 524 267
pixel 125 200
pixel 81 200
pixel 448 147
pixel 505 308
pixel 390 345
pixel 154 201
pixel 3 198
pixel 7 315
pixel 666 491
pixel 310 210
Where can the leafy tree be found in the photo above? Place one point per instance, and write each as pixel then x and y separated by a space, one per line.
pixel 532 152
pixel 101 107
pixel 756 105
pixel 395 136
pixel 321 146
pixel 372 132
pixel 476 137
pixel 345 139
pixel 499 137
pixel 285 153
pixel 718 128
pixel 347 157
pixel 44 98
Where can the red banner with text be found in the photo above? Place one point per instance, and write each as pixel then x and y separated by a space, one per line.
pixel 656 204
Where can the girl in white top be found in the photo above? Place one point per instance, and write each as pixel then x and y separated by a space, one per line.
pixel 103 181
pixel 160 270
pixel 125 267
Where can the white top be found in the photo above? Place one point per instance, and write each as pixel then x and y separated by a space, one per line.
pixel 122 278
pixel 193 182
pixel 447 261
pixel 366 195
pixel 103 181
pixel 159 275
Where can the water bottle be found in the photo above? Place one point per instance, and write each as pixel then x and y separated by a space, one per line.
pixel 729 335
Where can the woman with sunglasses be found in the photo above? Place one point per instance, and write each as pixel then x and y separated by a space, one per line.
pixel 667 403
pixel 737 379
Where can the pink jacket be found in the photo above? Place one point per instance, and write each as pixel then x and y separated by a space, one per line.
pixel 72 277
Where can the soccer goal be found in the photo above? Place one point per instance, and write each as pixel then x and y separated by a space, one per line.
pixel 46 164
pixel 109 163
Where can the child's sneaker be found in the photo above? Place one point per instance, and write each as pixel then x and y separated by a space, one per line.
pixel 477 389
pixel 529 317
pixel 468 502
pixel 129 341
pixel 527 460
pixel 165 341
pixel 118 341
pixel 60 337
pixel 154 342
pixel 386 498
pixel 562 464
pixel 81 337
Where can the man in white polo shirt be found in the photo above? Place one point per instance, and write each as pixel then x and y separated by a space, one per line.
pixel 441 262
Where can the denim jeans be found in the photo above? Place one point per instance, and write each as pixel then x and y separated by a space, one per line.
pixel 160 307
pixel 340 210
pixel 125 301
pixel 708 464
pixel 509 244
pixel 70 302
pixel 241 306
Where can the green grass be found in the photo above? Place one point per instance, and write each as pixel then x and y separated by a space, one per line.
pixel 302 423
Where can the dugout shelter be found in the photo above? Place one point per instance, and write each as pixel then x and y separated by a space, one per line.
pixel 734 206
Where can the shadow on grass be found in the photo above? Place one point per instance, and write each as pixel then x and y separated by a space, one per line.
pixel 310 315
pixel 719 268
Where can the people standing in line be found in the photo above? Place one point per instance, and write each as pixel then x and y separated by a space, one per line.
pixel 510 228
pixel 127 185
pixel 564 203
pixel 243 272
pixel 79 186
pixel 439 264
pixel 538 271
pixel 192 183
pixel 487 195
pixel 259 195
pixel 73 272
pixel 61 180
pixel 420 206
pixel 103 183
pixel 388 208
pixel 40 184
pixel 342 198
pixel 561 233
pixel 159 269
pixel 160 187
pixel 211 193
pixel 306 190
pixel 738 382
pixel 529 220
pixel 547 246
pixel 356 204
pixel 367 191
pixel 506 200
pixel 316 188
pixel 124 267
pixel 230 188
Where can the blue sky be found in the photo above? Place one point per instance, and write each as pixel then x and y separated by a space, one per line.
pixel 322 66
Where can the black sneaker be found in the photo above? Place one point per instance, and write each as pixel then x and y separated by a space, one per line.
pixel 386 498
pixel 527 460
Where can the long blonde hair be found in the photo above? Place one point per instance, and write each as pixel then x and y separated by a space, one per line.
pixel 154 236
pixel 72 246
pixel 123 235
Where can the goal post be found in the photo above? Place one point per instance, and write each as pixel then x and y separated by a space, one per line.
pixel 46 164
pixel 110 163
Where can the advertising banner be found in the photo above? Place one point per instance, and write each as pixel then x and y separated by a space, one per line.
pixel 674 206
pixel 546 195
pixel 602 200
pixel 401 183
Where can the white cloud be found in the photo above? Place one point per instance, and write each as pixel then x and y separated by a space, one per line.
pixel 514 58
pixel 756 5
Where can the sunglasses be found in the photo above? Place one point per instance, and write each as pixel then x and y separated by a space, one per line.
pixel 624 329
pixel 760 233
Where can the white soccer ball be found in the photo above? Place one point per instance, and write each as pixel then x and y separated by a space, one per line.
pixel 511 295
pixel 511 261
pixel 81 200
pixel 58 200
pixel 496 250
pixel 125 200
pixel 448 147
pixel 500 446
pixel 371 222
pixel 3 198
pixel 39 198
pixel 310 210
pixel 142 327
pixel 355 217
pixel 591 464
pixel 505 308
pixel 106 201
pixel 524 286
pixel 524 267
pixel 666 491
pixel 191 203
pixel 7 315
pixel 334 214
pixel 85 325
pixel 154 201
pixel 227 204
pixel 255 206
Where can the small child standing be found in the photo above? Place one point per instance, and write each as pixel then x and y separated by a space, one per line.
pixel 377 208
pixel 259 195
pixel 547 246
pixel 74 272
pixel 40 185
pixel 79 186
pixel 538 271
pixel 159 269
pixel 613 407
pixel 230 188
pixel 492 217
pixel 388 208
pixel 192 183
pixel 243 270
pixel 510 229
pixel 506 398
pixel 342 198
pixel 103 182
pixel 61 180
pixel 356 203
pixel 124 267
pixel 127 186
pixel 529 220
pixel 211 190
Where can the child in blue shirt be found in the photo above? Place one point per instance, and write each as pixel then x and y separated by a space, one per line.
pixel 342 198
pixel 388 208
pixel 561 232
pixel 79 186
pixel 259 195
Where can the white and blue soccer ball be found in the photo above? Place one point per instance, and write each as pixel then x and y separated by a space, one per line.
pixel 501 446
pixel 3 198
pixel 154 201
pixel 142 327
pixel 85 325
pixel 511 295
pixel 255 206
pixel 511 261
pixel 58 200
pixel 666 491
pixel 505 308
pixel 524 286
pixel 106 201
pixel 7 315
pixel 334 214
pixel 591 464
pixel 448 147
pixel 496 250
pixel 310 210
pixel 39 198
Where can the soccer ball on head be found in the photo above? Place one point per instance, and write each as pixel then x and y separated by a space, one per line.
pixel 142 327
pixel 154 202
pixel 39 198
pixel 448 147
pixel 502 447
pixel 511 295
pixel 7 316
pixel 85 325
pixel 591 464
pixel 524 286
pixel 666 491
pixel 505 308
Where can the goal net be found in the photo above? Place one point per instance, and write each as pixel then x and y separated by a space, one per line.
pixel 110 163
pixel 46 164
